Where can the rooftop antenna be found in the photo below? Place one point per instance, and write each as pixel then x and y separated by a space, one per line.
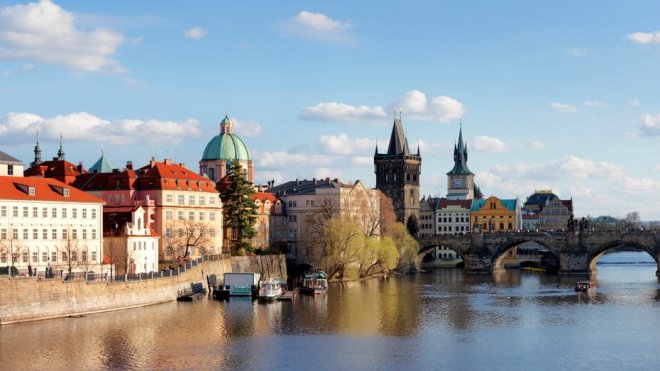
pixel 399 114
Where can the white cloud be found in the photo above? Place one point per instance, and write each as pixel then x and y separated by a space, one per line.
pixel 414 105
pixel 363 160
pixel 645 37
pixel 18 128
pixel 43 32
pixel 341 112
pixel 317 27
pixel 634 102
pixel 484 143
pixel 341 144
pixel 195 33
pixel 595 103
pixel 247 128
pixel 325 172
pixel 656 167
pixel 562 107
pixel 651 125
pixel 630 135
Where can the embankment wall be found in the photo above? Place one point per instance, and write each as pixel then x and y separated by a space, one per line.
pixel 28 299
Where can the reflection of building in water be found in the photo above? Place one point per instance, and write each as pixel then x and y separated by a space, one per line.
pixel 399 309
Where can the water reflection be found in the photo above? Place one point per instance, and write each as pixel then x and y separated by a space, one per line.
pixel 427 320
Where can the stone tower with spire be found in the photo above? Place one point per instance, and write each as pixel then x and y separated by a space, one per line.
pixel 37 153
pixel 397 176
pixel 460 180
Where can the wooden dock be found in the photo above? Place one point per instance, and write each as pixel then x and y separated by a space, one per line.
pixel 286 296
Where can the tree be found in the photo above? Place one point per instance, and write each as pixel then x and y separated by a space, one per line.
pixel 70 249
pixel 240 210
pixel 12 247
pixel 182 234
pixel 632 220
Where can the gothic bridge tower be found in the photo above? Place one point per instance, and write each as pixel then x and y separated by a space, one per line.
pixel 397 175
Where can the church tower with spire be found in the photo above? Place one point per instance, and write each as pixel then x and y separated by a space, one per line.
pixel 460 180
pixel 397 176
pixel 37 153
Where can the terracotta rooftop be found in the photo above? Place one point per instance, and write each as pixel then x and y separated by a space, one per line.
pixel 44 189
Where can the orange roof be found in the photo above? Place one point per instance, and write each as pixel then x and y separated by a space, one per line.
pixel 45 189
pixel 168 175
pixel 54 168
pixel 263 196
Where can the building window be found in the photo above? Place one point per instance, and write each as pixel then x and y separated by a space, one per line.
pixel 84 213
pixel 93 256
pixel 67 192
pixel 64 213
pixel 93 234
pixel 212 216
pixel 3 257
pixel 191 215
pixel 53 256
pixel 84 234
pixel 191 200
pixel 10 169
pixel 25 211
pixel 74 256
pixel 134 245
pixel 212 232
pixel 212 200
pixel 180 215
pixel 35 257
pixel 168 215
pixel 202 200
pixel 168 233
pixel 74 213
pixel 54 234
pixel 35 234
pixel 3 234
pixel 201 216
pixel 93 213
pixel 25 234
pixel 74 233
pixel 14 233
pixel 14 211
pixel 168 198
pixel 44 256
pixel 35 212
pixel 181 200
pixel 3 211
pixel 25 257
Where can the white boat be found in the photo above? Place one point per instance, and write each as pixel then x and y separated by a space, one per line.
pixel 315 283
pixel 270 289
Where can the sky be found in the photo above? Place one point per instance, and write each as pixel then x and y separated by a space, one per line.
pixel 559 95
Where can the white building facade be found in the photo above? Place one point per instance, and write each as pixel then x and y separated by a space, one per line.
pixel 48 225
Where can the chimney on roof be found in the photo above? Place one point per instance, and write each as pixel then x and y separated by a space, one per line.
pixel 336 180
pixel 182 164
pixel 168 161
pixel 152 163
pixel 314 179
pixel 297 181
pixel 79 167
pixel 129 165
pixel 115 171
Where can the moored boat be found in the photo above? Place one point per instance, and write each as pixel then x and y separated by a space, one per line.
pixel 584 286
pixel 270 289
pixel 315 283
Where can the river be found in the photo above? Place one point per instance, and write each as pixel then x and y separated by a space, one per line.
pixel 442 319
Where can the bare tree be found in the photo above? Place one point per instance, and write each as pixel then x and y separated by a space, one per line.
pixel 185 234
pixel 12 247
pixel 71 250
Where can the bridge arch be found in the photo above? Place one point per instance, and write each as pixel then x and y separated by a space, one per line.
pixel 595 254
pixel 547 257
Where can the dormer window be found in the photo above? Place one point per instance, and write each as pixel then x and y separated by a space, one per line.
pixel 67 192
pixel 31 191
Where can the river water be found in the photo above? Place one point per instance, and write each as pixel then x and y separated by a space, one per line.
pixel 441 319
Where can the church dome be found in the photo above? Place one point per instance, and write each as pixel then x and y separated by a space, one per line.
pixel 227 145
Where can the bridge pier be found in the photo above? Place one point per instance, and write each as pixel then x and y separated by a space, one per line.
pixel 477 263
pixel 574 263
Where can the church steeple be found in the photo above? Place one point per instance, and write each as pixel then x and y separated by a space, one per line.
pixel 226 125
pixel 37 152
pixel 60 152
pixel 398 142
pixel 460 156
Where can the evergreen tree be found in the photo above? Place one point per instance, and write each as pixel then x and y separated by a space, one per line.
pixel 240 209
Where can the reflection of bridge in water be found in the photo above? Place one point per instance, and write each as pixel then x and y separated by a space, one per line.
pixel 576 252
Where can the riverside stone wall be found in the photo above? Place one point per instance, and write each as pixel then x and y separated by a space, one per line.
pixel 27 298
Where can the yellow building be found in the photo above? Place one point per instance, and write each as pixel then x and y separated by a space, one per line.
pixel 496 215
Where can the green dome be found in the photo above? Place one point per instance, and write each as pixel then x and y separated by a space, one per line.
pixel 226 145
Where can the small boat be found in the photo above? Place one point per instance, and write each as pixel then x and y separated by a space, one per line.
pixel 315 283
pixel 584 286
pixel 196 291
pixel 270 289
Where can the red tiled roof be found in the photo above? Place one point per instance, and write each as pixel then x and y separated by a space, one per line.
pixel 54 169
pixel 263 196
pixel 466 204
pixel 167 175
pixel 106 181
pixel 46 189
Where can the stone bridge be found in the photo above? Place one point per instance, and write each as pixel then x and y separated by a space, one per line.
pixel 576 252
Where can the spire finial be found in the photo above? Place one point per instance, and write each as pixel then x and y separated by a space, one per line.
pixel 60 152
pixel 400 113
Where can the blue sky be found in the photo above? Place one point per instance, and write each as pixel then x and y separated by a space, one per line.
pixel 559 95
